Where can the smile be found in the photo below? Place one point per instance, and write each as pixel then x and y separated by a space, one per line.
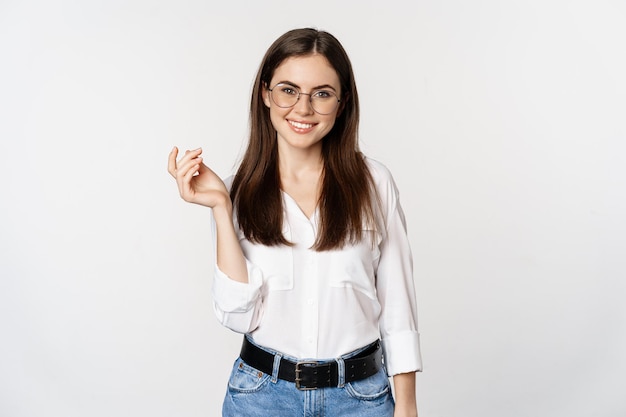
pixel 299 125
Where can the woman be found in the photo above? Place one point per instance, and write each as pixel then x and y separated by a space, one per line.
pixel 313 260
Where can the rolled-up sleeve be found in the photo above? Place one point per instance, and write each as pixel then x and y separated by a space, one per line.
pixel 237 305
pixel 396 290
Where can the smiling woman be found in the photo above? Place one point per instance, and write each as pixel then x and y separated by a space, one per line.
pixel 309 230
pixel 299 126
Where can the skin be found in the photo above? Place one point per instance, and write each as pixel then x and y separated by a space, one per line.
pixel 300 166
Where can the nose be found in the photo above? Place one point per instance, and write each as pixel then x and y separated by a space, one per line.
pixel 304 105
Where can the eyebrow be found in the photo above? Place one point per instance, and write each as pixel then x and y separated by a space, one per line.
pixel 313 89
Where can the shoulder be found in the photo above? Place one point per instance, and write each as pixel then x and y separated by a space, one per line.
pixel 378 170
pixel 382 178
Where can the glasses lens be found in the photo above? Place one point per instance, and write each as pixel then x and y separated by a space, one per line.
pixel 284 95
pixel 324 101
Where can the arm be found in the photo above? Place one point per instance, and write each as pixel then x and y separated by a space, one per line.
pixel 396 291
pixel 399 318
pixel 404 388
pixel 198 184
pixel 229 256
pixel 237 284
pixel 396 294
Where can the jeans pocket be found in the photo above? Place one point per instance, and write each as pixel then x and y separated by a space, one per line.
pixel 371 388
pixel 246 379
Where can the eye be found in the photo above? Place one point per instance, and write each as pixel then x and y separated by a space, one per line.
pixel 323 94
pixel 285 89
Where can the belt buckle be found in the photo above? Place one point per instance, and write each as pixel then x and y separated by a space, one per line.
pixel 299 372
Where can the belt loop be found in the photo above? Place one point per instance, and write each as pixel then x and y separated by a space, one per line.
pixel 276 367
pixel 341 373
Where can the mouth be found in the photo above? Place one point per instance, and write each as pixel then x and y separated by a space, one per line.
pixel 301 127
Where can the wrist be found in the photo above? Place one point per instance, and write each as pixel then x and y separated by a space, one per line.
pixel 223 207
pixel 404 387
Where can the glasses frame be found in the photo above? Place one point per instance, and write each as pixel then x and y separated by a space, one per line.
pixel 300 93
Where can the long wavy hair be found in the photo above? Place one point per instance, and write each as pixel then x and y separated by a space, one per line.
pixel 346 197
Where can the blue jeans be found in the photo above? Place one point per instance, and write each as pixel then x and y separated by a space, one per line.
pixel 252 393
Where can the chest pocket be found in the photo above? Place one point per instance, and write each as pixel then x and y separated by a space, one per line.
pixel 354 266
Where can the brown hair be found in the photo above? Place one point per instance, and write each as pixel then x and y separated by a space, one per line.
pixel 346 196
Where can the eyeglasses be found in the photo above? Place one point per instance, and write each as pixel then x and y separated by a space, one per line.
pixel 323 101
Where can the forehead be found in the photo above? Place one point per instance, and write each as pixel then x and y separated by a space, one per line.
pixel 307 71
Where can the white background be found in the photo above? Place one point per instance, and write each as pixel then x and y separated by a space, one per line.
pixel 502 121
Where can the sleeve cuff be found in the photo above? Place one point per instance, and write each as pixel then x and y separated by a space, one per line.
pixel 402 353
pixel 232 296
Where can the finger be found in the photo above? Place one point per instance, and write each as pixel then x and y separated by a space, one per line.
pixel 188 156
pixel 185 173
pixel 186 191
pixel 192 154
pixel 203 167
pixel 171 162
pixel 183 166
pixel 190 173
pixel 175 166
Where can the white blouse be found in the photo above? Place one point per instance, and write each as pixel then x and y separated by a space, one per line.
pixel 321 305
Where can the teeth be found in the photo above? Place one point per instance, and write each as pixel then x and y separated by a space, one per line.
pixel 301 125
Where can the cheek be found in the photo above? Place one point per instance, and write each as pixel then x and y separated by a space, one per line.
pixel 276 116
pixel 330 123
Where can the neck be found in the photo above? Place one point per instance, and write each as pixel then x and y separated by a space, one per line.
pixel 296 163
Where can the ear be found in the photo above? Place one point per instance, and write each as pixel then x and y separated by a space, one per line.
pixel 265 93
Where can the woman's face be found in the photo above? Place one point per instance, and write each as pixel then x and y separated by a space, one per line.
pixel 300 127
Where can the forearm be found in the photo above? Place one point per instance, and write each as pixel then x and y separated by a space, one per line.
pixel 404 389
pixel 230 258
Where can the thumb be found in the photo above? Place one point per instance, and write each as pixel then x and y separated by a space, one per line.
pixel 203 169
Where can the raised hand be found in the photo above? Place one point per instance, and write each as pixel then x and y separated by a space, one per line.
pixel 197 183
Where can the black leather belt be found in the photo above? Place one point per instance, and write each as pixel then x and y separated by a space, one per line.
pixel 314 374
